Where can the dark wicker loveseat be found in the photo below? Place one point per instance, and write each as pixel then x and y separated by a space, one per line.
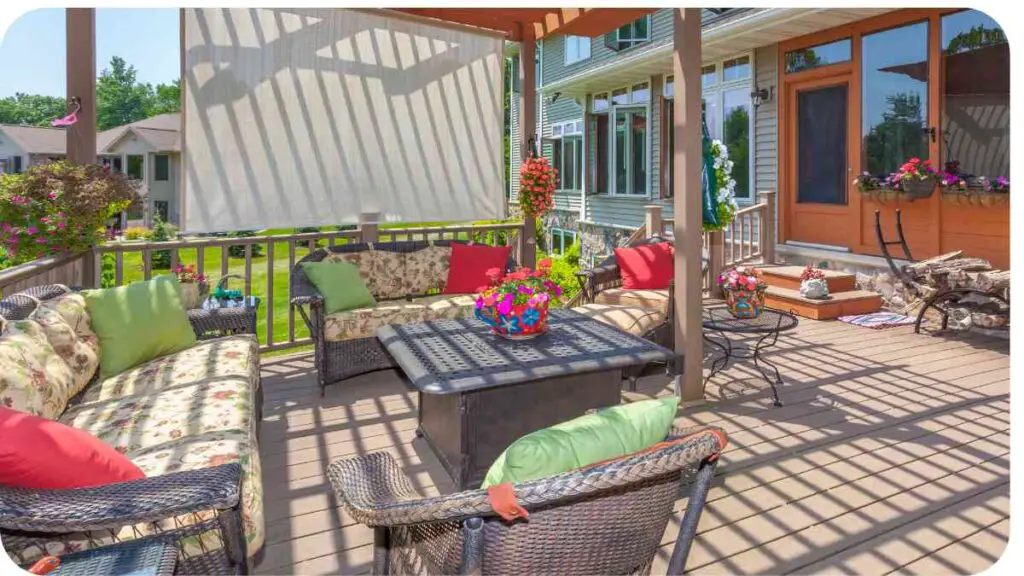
pixel 608 518
pixel 417 292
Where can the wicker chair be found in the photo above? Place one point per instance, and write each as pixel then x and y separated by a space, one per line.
pixel 338 360
pixel 605 519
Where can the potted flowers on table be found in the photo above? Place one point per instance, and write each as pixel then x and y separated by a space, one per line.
pixel 744 289
pixel 813 284
pixel 515 305
pixel 916 178
pixel 194 286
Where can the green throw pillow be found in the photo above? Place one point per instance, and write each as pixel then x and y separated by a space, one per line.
pixel 603 435
pixel 340 284
pixel 138 322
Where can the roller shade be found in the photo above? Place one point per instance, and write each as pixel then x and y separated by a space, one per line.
pixel 310 117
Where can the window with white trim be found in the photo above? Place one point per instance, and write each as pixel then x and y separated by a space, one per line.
pixel 633 34
pixel 567 154
pixel 562 240
pixel 577 49
pixel 619 140
pixel 725 102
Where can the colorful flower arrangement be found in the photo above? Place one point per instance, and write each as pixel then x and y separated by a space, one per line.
pixel 537 179
pixel 868 182
pixel 516 304
pixel 953 179
pixel 915 171
pixel 188 275
pixel 812 273
pixel 744 289
pixel 194 286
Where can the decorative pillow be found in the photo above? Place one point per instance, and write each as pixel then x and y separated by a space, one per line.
pixel 603 435
pixel 138 323
pixel 364 261
pixel 427 269
pixel 65 321
pixel 340 285
pixel 469 265
pixel 646 267
pixel 33 377
pixel 43 454
pixel 388 274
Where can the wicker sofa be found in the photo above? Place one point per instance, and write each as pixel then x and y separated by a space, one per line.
pixel 188 420
pixel 406 278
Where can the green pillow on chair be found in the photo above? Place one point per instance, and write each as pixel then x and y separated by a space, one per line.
pixel 340 285
pixel 138 323
pixel 603 435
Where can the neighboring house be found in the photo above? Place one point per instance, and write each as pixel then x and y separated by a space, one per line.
pixel 149 150
pixel 805 99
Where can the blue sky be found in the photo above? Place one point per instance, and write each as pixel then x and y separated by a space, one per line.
pixel 33 49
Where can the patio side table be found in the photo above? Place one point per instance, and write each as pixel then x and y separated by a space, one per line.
pixel 769 324
pixel 218 318
pixel 135 558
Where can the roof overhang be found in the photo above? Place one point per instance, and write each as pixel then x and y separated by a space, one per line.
pixel 742 33
pixel 511 22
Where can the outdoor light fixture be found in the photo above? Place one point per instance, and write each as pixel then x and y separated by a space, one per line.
pixel 760 96
pixel 555 97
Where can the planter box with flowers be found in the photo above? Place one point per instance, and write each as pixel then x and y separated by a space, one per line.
pixel 973 189
pixel 744 290
pixel 516 304
pixel 915 179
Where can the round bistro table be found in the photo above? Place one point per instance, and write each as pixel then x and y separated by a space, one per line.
pixel 768 325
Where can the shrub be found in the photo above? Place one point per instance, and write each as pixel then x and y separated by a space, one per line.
pixel 59 208
pixel 137 232
pixel 564 269
pixel 162 232
pixel 108 277
pixel 238 251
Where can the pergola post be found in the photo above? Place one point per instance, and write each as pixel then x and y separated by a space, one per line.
pixel 687 227
pixel 528 132
pixel 81 83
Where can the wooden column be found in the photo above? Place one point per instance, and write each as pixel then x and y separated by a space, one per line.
pixel 369 227
pixel 687 228
pixel 81 83
pixel 528 132
pixel 768 217
pixel 652 220
pixel 716 261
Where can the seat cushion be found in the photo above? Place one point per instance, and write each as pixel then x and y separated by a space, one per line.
pixel 33 377
pixel 426 270
pixel 363 322
pixel 653 299
pixel 632 319
pixel 65 320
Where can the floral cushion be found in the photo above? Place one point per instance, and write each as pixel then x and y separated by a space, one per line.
pixel 236 356
pixel 33 377
pixel 426 270
pixel 653 299
pixel 65 321
pixel 363 322
pixel 388 279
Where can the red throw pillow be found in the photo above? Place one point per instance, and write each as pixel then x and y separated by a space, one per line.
pixel 467 271
pixel 40 453
pixel 646 267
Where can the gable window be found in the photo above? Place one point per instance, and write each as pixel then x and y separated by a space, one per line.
pixel 161 167
pixel 567 154
pixel 577 49
pixel 726 107
pixel 633 34
pixel 618 144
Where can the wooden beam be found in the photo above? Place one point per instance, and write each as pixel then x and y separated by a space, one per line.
pixel 687 227
pixel 528 133
pixel 81 83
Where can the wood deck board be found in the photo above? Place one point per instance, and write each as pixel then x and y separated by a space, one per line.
pixel 889 456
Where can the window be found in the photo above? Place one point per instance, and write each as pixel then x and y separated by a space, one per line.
pixel 567 154
pixel 161 167
pixel 820 55
pixel 600 103
pixel 821 145
pixel 161 208
pixel 708 76
pixel 630 144
pixel 618 143
pixel 975 96
pixel 632 34
pixel 538 58
pixel 597 137
pixel 736 69
pixel 577 48
pixel 135 166
pixel 561 240
pixel 894 95
pixel 16 165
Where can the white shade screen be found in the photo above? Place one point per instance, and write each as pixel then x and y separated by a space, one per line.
pixel 311 117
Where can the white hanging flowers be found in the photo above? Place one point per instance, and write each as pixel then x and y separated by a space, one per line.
pixel 727 206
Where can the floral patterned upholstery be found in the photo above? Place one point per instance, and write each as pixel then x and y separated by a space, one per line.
pixel 363 322
pixel 65 321
pixel 388 275
pixel 33 377
pixel 653 299
pixel 426 270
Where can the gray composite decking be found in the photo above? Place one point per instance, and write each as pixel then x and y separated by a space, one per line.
pixel 891 455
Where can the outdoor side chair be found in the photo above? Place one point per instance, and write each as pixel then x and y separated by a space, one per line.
pixel 608 518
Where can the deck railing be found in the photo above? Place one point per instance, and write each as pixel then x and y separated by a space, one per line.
pixel 261 262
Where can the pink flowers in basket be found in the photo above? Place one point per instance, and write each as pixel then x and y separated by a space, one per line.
pixel 516 304
pixel 744 289
pixel 742 278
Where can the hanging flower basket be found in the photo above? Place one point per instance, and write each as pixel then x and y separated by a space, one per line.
pixel 537 186
pixel 915 189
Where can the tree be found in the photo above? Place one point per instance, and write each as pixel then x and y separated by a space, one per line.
pixel 120 98
pixel 737 140
pixel 31 109
pixel 166 98
pixel 977 37
pixel 898 137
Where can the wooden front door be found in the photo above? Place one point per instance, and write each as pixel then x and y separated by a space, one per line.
pixel 817 138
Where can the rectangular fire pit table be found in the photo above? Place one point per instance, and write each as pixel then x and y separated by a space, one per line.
pixel 479 392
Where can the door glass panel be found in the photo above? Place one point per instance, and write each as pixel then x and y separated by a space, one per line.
pixel 621 158
pixel 736 131
pixel 821 145
pixel 976 96
pixel 638 151
pixel 556 163
pixel 820 55
pixel 709 105
pixel 895 97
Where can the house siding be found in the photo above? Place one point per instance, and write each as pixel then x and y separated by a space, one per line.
pixel 766 121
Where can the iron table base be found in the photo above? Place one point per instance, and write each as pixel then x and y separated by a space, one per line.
pixel 768 371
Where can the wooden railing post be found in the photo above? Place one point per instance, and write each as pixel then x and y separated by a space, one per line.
pixel 368 227
pixel 768 226
pixel 716 260
pixel 652 220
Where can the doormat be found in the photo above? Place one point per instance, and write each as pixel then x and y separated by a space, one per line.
pixel 878 320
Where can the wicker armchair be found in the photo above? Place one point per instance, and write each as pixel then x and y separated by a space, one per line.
pixel 604 519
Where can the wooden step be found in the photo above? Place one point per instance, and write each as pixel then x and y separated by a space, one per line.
pixel 847 303
pixel 789 277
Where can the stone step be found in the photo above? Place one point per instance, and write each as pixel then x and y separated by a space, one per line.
pixel 845 303
pixel 789 277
